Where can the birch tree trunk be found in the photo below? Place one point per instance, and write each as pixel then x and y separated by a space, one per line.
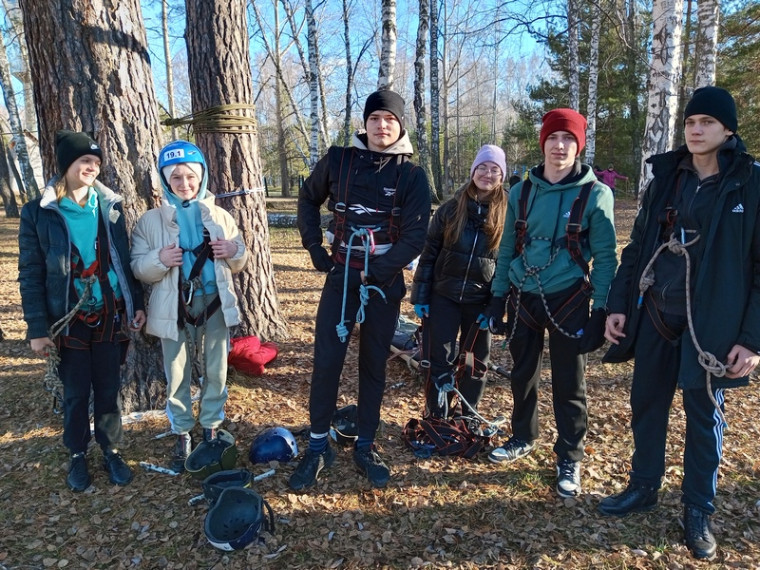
pixel 435 100
pixel 6 193
pixel 574 57
pixel 27 172
pixel 420 112
pixel 314 153
pixel 388 49
pixel 662 101
pixel 91 72
pixel 220 74
pixel 593 81
pixel 708 16
pixel 282 146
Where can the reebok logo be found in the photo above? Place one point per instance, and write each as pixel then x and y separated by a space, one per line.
pixel 738 209
pixel 389 191
pixel 566 214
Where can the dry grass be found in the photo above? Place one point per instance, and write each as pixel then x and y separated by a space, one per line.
pixel 435 513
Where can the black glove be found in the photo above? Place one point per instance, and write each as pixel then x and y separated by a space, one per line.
pixel 320 259
pixel 495 315
pixel 593 332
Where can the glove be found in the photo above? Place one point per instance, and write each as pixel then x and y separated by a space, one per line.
pixel 593 332
pixel 320 259
pixel 482 321
pixel 422 311
pixel 494 315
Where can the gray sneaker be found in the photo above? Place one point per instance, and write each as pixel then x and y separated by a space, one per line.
pixel 310 466
pixel 568 478
pixel 512 450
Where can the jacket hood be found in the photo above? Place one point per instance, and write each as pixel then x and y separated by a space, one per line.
pixel 727 154
pixel 582 174
pixel 49 199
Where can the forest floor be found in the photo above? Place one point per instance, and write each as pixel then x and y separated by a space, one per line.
pixel 435 513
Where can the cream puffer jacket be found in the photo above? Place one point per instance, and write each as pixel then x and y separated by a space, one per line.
pixel 158 228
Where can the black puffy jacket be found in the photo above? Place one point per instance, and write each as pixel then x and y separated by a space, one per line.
pixel 462 272
pixel 44 260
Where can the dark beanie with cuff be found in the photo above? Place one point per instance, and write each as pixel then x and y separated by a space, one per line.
pixel 715 102
pixel 385 101
pixel 70 145
pixel 564 120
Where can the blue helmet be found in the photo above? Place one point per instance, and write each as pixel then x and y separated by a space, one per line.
pixel 179 152
pixel 237 518
pixel 274 444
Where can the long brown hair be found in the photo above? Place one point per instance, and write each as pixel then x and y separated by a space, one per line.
pixel 60 188
pixel 494 224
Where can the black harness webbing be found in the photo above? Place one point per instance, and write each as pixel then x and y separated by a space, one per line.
pixel 203 252
pixel 344 176
pixel 574 233
pixel 98 268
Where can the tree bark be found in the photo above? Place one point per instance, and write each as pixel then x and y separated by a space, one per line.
pixel 6 193
pixel 593 81
pixel 664 70
pixel 420 112
pixel 388 49
pixel 30 183
pixel 313 69
pixel 572 42
pixel 708 16
pixel 435 100
pixel 168 60
pixel 91 72
pixel 220 74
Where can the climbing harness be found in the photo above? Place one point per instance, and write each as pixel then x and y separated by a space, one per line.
pixel 573 240
pixel 96 272
pixel 365 234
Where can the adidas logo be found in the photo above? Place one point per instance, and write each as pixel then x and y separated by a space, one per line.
pixel 738 209
pixel 566 214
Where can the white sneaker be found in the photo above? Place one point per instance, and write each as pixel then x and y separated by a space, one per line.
pixel 568 478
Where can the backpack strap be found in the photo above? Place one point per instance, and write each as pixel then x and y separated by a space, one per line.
pixel 521 223
pixel 573 230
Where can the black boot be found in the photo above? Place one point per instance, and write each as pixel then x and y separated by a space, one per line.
pixel 697 534
pixel 209 434
pixel 636 498
pixel 78 478
pixel 119 473
pixel 182 449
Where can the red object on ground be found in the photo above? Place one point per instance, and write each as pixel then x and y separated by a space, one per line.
pixel 249 355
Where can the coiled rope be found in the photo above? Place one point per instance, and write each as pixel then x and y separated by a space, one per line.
pixel 366 235
pixel 229 119
pixel 708 361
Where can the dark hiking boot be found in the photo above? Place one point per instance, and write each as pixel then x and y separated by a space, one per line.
pixel 309 467
pixel 78 478
pixel 209 434
pixel 634 499
pixel 697 534
pixel 514 449
pixel 369 463
pixel 182 448
pixel 119 472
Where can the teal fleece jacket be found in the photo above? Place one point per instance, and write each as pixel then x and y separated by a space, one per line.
pixel 551 268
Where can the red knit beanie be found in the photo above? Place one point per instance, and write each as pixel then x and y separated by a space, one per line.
pixel 564 120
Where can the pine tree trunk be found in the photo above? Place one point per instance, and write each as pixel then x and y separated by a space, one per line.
pixel 663 81
pixel 220 74
pixel 388 46
pixel 91 72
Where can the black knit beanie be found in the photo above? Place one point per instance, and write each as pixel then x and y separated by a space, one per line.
pixel 385 101
pixel 70 145
pixel 715 102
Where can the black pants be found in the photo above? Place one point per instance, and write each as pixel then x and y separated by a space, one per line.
pixel 375 336
pixel 90 366
pixel 449 320
pixel 568 368
pixel 655 378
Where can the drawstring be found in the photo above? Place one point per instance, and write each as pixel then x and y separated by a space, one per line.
pixel 368 239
